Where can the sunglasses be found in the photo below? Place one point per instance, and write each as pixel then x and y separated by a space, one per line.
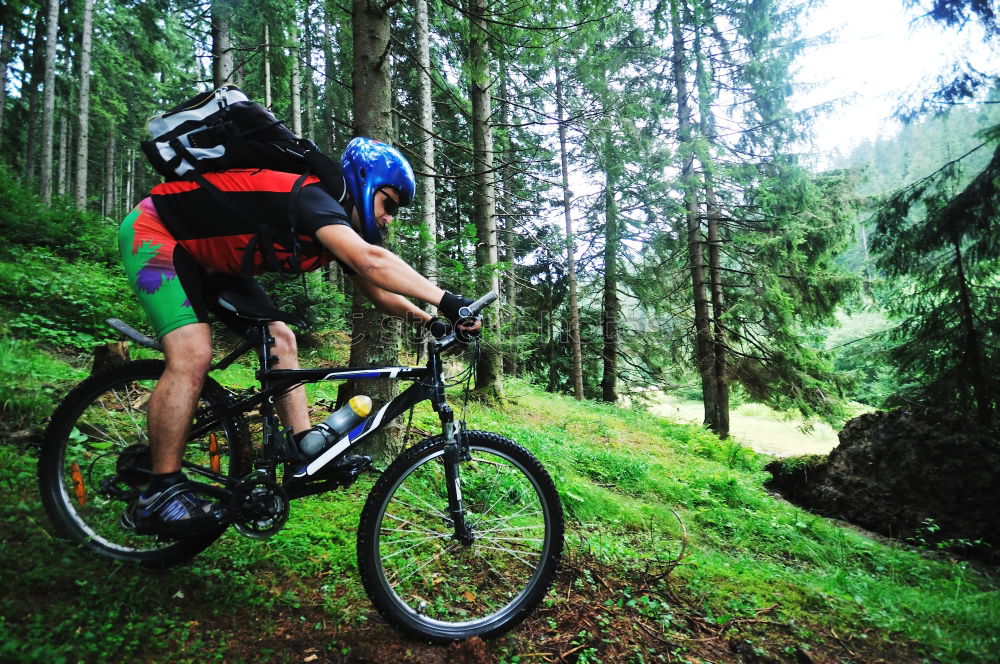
pixel 390 205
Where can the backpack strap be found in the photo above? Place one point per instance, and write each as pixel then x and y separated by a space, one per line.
pixel 329 173
pixel 263 241
pixel 295 260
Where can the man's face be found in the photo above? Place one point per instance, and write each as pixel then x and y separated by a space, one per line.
pixel 385 205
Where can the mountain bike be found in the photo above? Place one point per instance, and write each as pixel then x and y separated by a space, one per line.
pixel 460 535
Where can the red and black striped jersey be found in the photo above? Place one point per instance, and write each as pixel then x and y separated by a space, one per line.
pixel 216 232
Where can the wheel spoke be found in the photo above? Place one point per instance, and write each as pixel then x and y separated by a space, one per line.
pixel 414 543
pixel 101 425
pixel 426 563
pixel 428 507
pixel 403 521
pixel 427 581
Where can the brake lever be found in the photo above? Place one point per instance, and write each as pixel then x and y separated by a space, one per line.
pixel 462 335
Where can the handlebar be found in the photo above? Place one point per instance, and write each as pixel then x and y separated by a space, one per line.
pixel 472 310
pixel 467 313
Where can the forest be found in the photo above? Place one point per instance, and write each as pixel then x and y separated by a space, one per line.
pixel 636 184
pixel 698 253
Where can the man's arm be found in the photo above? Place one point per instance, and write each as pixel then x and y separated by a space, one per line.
pixel 391 303
pixel 380 268
pixel 383 276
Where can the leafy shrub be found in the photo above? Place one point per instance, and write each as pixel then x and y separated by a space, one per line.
pixel 622 470
pixel 30 383
pixel 320 302
pixel 63 302
pixel 70 232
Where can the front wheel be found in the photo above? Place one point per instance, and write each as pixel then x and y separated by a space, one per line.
pixel 95 459
pixel 431 584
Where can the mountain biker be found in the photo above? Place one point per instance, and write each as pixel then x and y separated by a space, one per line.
pixel 184 244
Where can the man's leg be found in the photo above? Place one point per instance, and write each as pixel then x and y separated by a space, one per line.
pixel 172 404
pixel 291 407
pixel 168 506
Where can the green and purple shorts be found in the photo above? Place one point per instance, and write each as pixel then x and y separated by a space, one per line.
pixel 173 289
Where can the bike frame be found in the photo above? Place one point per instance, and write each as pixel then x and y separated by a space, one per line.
pixel 428 384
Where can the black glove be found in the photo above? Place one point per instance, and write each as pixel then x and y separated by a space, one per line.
pixel 437 327
pixel 451 304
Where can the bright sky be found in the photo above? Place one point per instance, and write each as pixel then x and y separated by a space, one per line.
pixel 876 55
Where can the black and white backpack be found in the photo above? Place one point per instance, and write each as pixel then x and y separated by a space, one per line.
pixel 223 129
pixel 219 130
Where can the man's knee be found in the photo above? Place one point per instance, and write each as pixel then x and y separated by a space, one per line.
pixel 189 349
pixel 285 345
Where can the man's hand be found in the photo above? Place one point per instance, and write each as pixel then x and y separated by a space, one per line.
pixel 437 327
pixel 466 327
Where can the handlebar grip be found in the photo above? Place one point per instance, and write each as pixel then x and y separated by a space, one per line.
pixel 473 309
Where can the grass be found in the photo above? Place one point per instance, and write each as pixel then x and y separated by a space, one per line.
pixel 31 383
pixel 744 543
pixel 638 491
pixel 760 427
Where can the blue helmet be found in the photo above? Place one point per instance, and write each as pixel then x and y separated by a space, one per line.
pixel 369 165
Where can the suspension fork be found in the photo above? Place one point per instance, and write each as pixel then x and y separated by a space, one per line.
pixel 454 453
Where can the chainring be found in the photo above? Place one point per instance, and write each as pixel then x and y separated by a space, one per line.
pixel 260 506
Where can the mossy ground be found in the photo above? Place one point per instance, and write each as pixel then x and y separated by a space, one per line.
pixel 675 552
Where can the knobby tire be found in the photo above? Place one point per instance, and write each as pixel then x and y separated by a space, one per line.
pixel 98 420
pixel 430 585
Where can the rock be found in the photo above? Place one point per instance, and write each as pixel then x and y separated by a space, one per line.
pixel 906 473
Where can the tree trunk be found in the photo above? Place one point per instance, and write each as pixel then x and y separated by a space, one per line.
pixel 612 240
pixel 108 356
pixel 510 356
pixel 127 202
pixel 866 273
pixel 429 194
pixel 296 85
pixel 5 45
pixel 109 178
pixel 61 157
pixel 719 342
pixel 489 373
pixel 372 92
pixel 49 101
pixel 574 308
pixel 37 64
pixel 720 353
pixel 309 107
pixel 267 65
pixel 222 43
pixel 549 316
pixel 375 337
pixel 330 71
pixel 83 110
pixel 696 256
pixel 973 355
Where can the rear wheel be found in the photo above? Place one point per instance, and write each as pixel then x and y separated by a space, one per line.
pixel 95 459
pixel 430 584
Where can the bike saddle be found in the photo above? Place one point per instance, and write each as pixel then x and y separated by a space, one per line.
pixel 249 308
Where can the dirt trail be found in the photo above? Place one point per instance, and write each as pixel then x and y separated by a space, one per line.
pixel 757 426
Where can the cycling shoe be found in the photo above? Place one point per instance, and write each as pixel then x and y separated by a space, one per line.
pixel 173 512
